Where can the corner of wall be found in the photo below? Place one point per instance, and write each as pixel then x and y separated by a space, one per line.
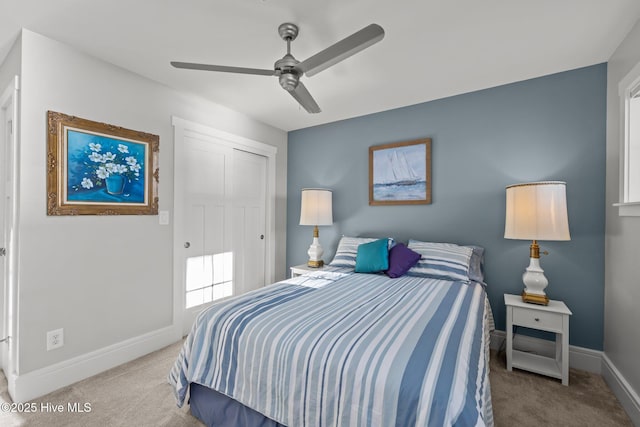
pixel 628 397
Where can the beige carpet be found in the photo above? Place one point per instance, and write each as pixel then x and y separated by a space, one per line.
pixel 136 394
pixel 525 399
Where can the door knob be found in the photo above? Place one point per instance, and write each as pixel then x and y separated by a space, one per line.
pixel 187 245
pixel 262 237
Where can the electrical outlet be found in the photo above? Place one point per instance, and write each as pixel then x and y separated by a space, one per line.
pixel 55 339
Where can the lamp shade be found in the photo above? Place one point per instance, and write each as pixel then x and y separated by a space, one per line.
pixel 316 207
pixel 537 211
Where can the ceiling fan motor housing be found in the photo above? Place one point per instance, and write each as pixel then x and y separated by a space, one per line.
pixel 285 68
pixel 288 31
pixel 289 80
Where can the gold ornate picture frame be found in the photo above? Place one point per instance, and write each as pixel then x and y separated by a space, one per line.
pixel 400 173
pixel 99 169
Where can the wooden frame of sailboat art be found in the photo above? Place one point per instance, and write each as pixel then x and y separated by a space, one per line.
pixel 400 173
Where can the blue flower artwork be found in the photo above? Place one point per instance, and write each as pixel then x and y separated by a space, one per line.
pixel 103 169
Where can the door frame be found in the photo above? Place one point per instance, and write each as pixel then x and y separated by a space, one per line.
pixel 185 128
pixel 9 100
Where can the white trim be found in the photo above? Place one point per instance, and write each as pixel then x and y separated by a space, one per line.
pixel 625 86
pixel 581 358
pixel 628 209
pixel 42 381
pixel 627 396
pixel 11 99
pixel 627 204
pixel 233 140
pixel 178 233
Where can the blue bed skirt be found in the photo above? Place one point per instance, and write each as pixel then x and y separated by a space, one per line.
pixel 217 410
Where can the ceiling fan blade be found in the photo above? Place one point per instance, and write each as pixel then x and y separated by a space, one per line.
pixel 343 49
pixel 222 68
pixel 304 98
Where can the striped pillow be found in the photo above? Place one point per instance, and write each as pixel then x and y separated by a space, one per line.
pixel 441 260
pixel 348 250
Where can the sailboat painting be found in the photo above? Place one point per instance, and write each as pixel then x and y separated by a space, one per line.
pixel 399 173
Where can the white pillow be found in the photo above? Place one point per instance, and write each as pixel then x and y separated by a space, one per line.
pixel 441 260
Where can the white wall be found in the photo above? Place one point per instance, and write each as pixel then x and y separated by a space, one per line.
pixel 103 279
pixel 10 66
pixel 622 247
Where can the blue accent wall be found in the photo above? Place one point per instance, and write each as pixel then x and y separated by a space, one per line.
pixel 547 128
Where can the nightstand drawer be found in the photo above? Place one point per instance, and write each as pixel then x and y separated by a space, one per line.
pixel 537 319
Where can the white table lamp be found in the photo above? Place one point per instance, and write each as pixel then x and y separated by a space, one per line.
pixel 536 211
pixel 316 209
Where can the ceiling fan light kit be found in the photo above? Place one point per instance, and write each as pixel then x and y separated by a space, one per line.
pixel 289 70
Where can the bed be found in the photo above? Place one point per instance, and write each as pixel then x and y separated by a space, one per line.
pixel 338 347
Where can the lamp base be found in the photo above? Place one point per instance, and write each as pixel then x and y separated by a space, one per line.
pixel 534 280
pixel 315 264
pixel 535 298
pixel 315 251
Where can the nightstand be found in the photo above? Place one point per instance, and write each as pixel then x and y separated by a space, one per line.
pixel 297 270
pixel 552 318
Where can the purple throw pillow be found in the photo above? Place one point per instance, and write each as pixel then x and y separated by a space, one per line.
pixel 401 259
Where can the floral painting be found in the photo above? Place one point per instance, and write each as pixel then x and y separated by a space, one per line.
pixel 95 168
pixel 399 173
pixel 104 169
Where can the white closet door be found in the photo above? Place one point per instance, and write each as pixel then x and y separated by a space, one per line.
pixel 224 192
pixel 208 253
pixel 249 183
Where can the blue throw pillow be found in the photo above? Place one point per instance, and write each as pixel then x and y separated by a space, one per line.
pixel 345 255
pixel 373 257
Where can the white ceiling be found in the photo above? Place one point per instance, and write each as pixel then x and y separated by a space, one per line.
pixel 432 48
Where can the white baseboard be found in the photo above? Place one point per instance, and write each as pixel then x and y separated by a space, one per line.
pixel 579 357
pixel 37 383
pixel 627 396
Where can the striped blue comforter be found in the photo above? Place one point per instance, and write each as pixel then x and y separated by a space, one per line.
pixel 332 349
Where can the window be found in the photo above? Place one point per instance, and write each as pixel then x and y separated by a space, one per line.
pixel 209 278
pixel 629 90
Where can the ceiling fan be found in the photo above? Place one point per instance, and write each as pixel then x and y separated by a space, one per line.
pixel 289 70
